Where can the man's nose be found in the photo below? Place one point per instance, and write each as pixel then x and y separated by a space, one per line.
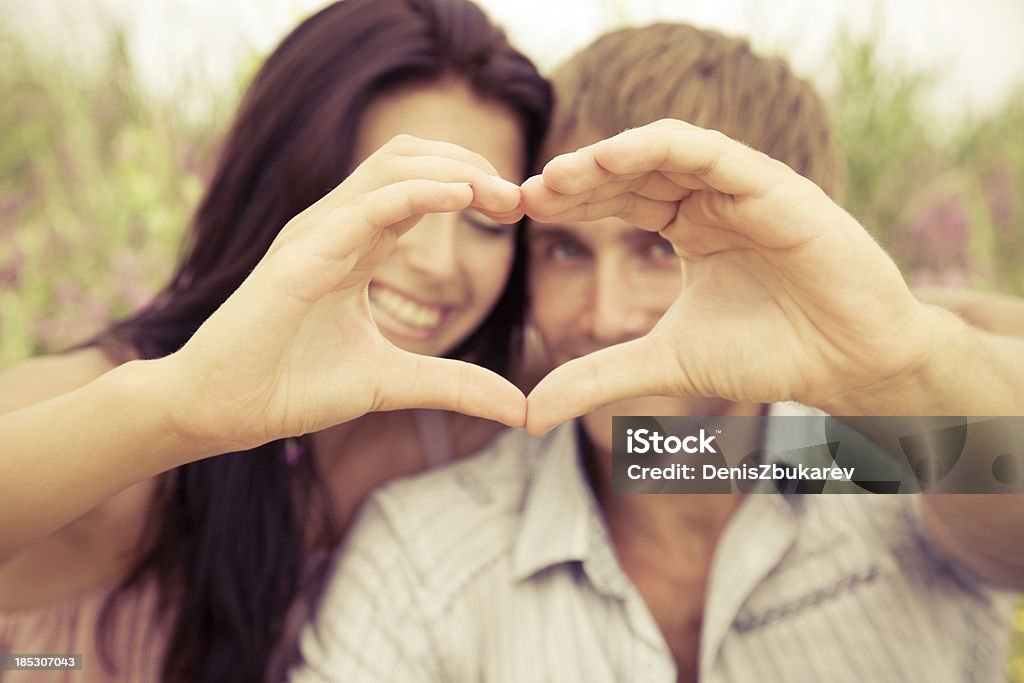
pixel 619 312
pixel 430 246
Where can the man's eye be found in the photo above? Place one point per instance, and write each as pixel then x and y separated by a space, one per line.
pixel 566 251
pixel 661 249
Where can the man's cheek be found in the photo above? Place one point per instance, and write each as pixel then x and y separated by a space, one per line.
pixel 545 317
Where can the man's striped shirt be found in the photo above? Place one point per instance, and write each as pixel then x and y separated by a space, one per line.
pixel 499 569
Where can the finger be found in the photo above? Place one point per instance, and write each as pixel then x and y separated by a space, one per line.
pixel 676 181
pixel 544 204
pixel 719 214
pixel 694 239
pixel 497 198
pixel 576 172
pixel 635 368
pixel 548 207
pixel 509 218
pixel 582 172
pixel 318 252
pixel 709 156
pixel 414 381
pixel 656 186
pixel 363 218
pixel 665 186
pixel 614 187
pixel 490 191
pixel 541 201
pixel 705 155
pixel 366 177
pixel 410 145
pixel 538 186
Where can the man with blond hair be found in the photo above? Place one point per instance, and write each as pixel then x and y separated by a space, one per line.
pixel 522 565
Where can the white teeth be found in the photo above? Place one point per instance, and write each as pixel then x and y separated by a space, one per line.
pixel 405 310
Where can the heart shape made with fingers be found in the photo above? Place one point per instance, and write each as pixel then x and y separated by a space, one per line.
pixel 785 295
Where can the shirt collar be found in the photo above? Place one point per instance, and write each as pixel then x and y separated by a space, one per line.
pixel 557 510
pixel 562 522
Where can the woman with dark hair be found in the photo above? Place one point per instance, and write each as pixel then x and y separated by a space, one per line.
pixel 281 336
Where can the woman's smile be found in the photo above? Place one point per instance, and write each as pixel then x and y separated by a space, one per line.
pixel 402 315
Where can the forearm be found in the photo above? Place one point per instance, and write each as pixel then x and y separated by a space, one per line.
pixel 968 373
pixel 62 457
pixel 965 371
pixel 990 311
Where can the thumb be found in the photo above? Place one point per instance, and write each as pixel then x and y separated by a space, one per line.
pixel 629 370
pixel 413 381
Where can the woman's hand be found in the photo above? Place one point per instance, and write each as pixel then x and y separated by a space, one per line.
pixel 785 295
pixel 295 349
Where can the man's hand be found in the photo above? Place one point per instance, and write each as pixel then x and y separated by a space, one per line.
pixel 785 295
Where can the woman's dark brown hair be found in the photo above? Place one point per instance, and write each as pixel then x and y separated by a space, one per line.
pixel 228 536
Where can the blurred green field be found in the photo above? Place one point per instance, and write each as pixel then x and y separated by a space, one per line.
pixel 98 180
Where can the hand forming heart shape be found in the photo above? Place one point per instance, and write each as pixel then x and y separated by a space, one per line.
pixel 786 296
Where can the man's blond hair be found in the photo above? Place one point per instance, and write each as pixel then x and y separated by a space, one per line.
pixel 630 77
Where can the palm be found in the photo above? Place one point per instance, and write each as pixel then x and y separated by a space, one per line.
pixel 785 296
pixel 335 349
pixel 295 348
pixel 727 327
pixel 787 311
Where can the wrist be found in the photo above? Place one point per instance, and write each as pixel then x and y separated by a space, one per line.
pixel 920 376
pixel 171 409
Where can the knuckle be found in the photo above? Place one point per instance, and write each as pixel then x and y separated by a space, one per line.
pixel 409 197
pixel 475 159
pixel 400 141
pixel 482 161
pixel 393 149
pixel 718 137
